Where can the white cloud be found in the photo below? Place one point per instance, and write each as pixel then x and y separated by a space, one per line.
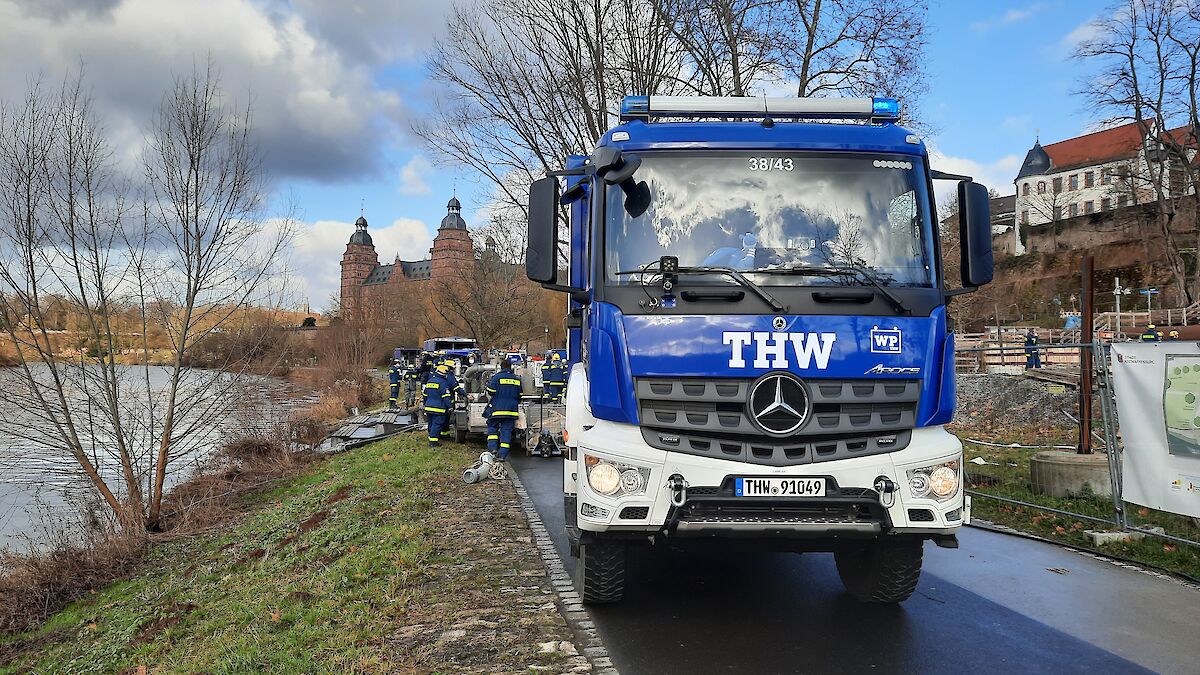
pixel 1082 33
pixel 1010 17
pixel 997 175
pixel 307 68
pixel 317 253
pixel 412 176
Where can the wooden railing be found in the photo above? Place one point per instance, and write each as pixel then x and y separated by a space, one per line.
pixel 1134 321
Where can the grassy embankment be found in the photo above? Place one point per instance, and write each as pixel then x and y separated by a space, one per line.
pixel 1007 475
pixel 376 560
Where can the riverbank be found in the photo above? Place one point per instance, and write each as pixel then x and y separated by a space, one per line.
pixel 379 559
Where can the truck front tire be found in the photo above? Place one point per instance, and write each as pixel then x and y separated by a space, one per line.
pixel 600 571
pixel 882 571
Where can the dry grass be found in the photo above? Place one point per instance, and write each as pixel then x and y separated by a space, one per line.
pixel 35 585
pixel 212 499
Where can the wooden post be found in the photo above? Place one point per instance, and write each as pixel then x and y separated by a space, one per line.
pixel 1087 337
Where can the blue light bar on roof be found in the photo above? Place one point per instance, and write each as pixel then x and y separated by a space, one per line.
pixel 648 107
pixel 886 108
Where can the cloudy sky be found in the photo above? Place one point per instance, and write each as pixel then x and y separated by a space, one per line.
pixel 335 84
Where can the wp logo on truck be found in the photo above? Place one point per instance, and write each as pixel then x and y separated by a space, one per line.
pixel 885 340
pixel 771 350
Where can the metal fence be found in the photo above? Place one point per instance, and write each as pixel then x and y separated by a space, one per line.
pixel 1106 398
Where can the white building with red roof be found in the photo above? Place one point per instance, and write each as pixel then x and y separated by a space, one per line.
pixel 1089 174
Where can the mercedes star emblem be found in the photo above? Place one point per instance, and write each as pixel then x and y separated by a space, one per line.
pixel 779 323
pixel 779 403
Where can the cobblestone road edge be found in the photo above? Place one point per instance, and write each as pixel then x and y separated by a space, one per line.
pixel 570 604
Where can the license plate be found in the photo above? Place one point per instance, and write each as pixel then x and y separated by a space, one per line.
pixel 779 487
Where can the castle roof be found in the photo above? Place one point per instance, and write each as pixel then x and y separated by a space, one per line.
pixel 453 219
pixel 361 236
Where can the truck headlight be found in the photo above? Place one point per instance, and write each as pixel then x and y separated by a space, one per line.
pixel 919 483
pixel 939 480
pixel 610 478
pixel 604 478
pixel 943 481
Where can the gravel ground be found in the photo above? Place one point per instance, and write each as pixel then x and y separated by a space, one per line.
pixel 490 608
pixel 1005 401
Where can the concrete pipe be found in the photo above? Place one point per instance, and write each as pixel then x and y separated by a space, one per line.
pixel 480 470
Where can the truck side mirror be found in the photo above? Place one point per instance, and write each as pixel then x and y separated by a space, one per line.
pixel 541 253
pixel 975 233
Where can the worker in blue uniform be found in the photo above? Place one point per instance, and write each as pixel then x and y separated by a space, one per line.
pixel 1151 334
pixel 456 387
pixel 439 402
pixel 394 383
pixel 412 385
pixel 504 399
pixel 554 378
pixel 426 369
pixel 1033 355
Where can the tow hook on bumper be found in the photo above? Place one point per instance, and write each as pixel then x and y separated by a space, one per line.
pixel 886 488
pixel 678 487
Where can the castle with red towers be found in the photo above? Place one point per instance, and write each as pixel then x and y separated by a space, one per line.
pixel 366 283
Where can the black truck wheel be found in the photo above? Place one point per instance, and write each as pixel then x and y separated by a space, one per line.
pixel 882 571
pixel 600 571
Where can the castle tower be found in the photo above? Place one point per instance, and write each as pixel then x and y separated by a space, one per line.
pixel 357 262
pixel 452 249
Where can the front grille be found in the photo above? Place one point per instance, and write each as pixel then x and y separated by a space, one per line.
pixel 635 512
pixel 708 417
pixel 920 515
pixel 777 452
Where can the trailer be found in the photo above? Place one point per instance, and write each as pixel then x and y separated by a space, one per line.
pixel 539 427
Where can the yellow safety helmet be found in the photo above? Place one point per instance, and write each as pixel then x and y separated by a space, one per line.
pixel 442 368
pixel 1149 325
pixel 1174 333
pixel 553 356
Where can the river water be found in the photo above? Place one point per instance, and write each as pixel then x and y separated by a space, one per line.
pixel 42 484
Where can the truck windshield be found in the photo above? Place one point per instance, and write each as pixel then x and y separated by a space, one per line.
pixel 768 212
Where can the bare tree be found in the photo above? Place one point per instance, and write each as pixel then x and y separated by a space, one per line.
pixel 1049 205
pixel 1184 144
pixel 528 82
pixel 1142 78
pixel 206 197
pixel 146 285
pixel 821 47
pixel 62 213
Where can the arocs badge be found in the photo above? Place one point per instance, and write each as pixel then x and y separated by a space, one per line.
pixel 886 340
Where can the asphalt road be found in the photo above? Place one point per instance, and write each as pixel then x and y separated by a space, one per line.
pixel 997 604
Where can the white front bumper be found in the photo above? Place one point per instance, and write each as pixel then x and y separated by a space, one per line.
pixel 624 443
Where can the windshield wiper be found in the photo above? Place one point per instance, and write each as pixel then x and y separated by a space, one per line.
pixel 843 270
pixel 895 301
pixel 741 279
pixel 727 271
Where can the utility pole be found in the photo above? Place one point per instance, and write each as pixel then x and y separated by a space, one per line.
pixel 1118 291
pixel 1087 342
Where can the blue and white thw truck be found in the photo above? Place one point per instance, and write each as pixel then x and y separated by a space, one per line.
pixel 759 345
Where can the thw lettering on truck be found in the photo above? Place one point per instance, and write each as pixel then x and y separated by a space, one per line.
pixel 771 349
